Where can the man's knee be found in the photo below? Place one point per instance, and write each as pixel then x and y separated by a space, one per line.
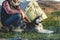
pixel 17 16
pixel 12 19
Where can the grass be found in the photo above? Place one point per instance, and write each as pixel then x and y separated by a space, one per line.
pixel 53 20
pixel 52 23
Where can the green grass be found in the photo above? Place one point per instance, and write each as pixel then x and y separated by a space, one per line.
pixel 53 20
pixel 52 23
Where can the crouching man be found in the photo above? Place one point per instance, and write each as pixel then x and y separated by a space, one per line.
pixel 11 14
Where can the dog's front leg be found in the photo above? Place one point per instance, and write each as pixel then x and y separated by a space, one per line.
pixel 39 27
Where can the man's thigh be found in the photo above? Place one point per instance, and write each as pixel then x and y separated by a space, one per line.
pixel 13 18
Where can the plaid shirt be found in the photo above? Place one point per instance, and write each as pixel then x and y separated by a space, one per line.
pixel 7 8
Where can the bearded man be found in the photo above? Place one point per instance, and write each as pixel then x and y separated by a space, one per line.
pixel 11 14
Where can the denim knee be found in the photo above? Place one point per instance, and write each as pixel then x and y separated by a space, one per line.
pixel 13 18
pixel 17 16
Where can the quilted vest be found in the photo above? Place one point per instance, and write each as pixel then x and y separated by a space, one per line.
pixel 4 15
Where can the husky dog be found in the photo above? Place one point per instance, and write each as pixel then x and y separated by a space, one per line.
pixel 37 26
pixel 38 23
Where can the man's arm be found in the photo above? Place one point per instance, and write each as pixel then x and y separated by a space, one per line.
pixel 24 16
pixel 7 8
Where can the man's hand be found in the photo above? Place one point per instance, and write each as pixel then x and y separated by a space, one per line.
pixel 25 16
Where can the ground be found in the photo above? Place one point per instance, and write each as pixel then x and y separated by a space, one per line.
pixel 52 23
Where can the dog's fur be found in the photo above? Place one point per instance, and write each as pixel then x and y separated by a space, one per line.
pixel 35 24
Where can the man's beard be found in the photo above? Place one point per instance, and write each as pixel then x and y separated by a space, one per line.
pixel 11 2
pixel 14 5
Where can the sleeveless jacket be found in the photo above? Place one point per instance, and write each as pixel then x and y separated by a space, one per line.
pixel 4 15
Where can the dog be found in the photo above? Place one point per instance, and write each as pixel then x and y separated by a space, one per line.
pixel 36 24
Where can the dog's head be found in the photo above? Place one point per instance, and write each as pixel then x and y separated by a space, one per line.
pixel 38 20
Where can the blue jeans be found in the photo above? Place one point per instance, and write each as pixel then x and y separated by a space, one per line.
pixel 14 20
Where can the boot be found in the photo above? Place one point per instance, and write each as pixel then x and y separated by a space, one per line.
pixel 4 29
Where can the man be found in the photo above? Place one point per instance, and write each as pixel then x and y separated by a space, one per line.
pixel 11 14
